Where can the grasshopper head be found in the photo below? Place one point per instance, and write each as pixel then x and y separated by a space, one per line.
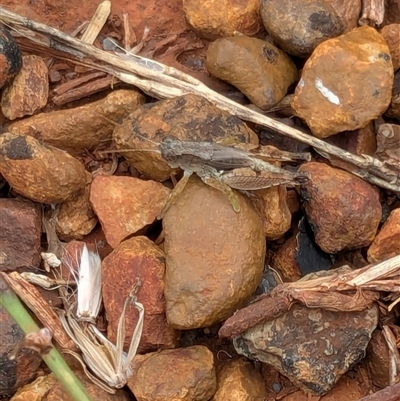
pixel 171 148
pixel 302 177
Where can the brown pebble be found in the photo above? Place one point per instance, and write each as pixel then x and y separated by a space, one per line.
pixel 29 90
pixel 344 211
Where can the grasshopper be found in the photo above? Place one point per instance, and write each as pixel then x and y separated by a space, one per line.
pixel 225 168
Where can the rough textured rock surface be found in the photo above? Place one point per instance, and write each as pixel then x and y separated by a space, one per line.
pixel 344 211
pixel 70 259
pixel 76 217
pixel 283 259
pixel 392 12
pixel 346 83
pixel 347 388
pixel 378 359
pixel 191 377
pixel 394 109
pixel 189 118
pixel 37 390
pixel 83 127
pixel 57 393
pixel 388 144
pixel 348 12
pixel 40 172
pixel 17 373
pixel 10 56
pixel 20 234
pixel 391 33
pixel 237 380
pixel 214 256
pixel 257 68
pixel 137 257
pixel 362 141
pixel 387 243
pixel 98 239
pixel 214 18
pixel 271 205
pixel 299 26
pixel 126 205
pixel 28 91
pixel 312 347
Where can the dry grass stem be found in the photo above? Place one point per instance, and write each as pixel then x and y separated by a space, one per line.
pixel 96 24
pixel 343 290
pixel 161 81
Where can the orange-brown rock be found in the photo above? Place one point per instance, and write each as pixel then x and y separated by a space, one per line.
pixel 271 204
pixel 36 390
pixel 283 260
pixel 83 127
pixel 237 380
pixel 388 140
pixel 343 210
pixel 298 27
pixel 188 117
pixel 214 256
pixel 14 374
pixel 348 12
pixel 183 374
pixel 346 83
pixel 387 243
pixel 126 205
pixel 38 171
pixel 57 392
pixel 362 141
pixel 28 91
pixel 10 56
pixel 76 217
pixel 378 359
pixel 20 234
pixel 347 388
pixel 394 109
pixel 212 18
pixel 292 201
pixel 392 12
pixel 391 33
pixel 70 259
pixel 257 68
pixel 98 239
pixel 298 255
pixel 137 257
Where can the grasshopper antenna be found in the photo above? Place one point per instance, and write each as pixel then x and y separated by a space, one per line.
pixel 111 121
pixel 103 152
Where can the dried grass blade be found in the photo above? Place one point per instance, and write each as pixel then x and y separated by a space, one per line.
pixel 89 286
pixel 163 81
pixel 92 377
pixel 124 365
pixel 380 270
pixel 93 354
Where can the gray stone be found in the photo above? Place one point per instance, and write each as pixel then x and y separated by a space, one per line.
pixel 312 347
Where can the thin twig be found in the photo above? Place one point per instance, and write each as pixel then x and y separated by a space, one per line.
pixel 162 81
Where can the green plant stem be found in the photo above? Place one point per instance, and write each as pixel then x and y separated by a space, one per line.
pixel 53 359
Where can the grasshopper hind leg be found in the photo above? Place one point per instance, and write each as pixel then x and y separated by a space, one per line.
pixel 180 186
pixel 224 188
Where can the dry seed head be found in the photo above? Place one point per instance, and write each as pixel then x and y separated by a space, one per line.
pixel 89 286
